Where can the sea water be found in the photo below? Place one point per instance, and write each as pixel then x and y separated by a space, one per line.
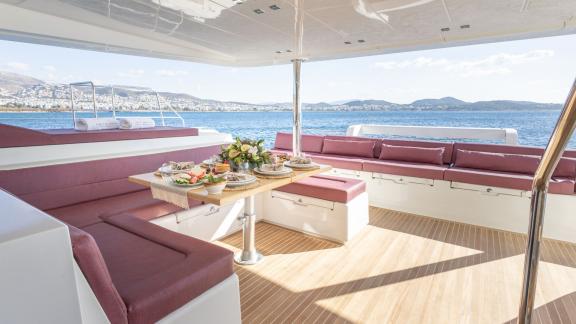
pixel 534 127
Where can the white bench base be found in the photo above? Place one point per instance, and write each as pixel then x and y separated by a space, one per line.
pixel 219 304
pixel 206 222
pixel 327 219
pixel 499 208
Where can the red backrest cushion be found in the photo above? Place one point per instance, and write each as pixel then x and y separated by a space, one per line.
pixel 447 146
pixel 515 163
pixel 310 143
pixel 90 260
pixel 59 185
pixel 377 142
pixel 412 154
pixel 497 148
pixel 566 168
pixel 349 148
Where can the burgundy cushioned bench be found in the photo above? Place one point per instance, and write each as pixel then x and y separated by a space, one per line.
pixel 435 160
pixel 330 188
pixel 139 272
pixel 14 136
pixel 507 166
pixel 332 207
pixel 364 154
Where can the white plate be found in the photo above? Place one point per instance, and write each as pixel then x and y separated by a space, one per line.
pixel 194 185
pixel 249 179
pixel 168 170
pixel 301 166
pixel 273 173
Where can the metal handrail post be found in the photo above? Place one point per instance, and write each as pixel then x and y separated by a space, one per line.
pixel 94 99
pixel 160 108
pixel 72 105
pixel 113 105
pixel 556 146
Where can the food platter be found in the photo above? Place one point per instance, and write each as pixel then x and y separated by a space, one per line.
pixel 176 167
pixel 187 185
pixel 239 179
pixel 190 179
pixel 301 166
pixel 283 171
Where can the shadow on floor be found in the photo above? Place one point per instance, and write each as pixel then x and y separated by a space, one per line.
pixel 554 311
pixel 494 244
pixel 288 243
pixel 264 301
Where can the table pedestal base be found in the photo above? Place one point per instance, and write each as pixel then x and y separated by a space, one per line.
pixel 248 258
pixel 248 255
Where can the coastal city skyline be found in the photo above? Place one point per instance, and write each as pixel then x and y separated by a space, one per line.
pixel 529 70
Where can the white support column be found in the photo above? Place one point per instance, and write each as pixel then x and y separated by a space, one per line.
pixel 297 65
pixel 297 110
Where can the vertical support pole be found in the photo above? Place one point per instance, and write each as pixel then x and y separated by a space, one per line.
pixel 249 255
pixel 297 66
pixel 556 145
pixel 297 110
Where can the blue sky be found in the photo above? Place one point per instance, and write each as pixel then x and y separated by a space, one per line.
pixel 539 70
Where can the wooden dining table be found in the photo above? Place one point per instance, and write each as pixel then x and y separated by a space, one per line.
pixel 249 254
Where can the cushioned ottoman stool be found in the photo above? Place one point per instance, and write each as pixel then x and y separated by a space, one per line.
pixel 327 206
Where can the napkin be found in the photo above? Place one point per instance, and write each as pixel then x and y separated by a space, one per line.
pixel 172 194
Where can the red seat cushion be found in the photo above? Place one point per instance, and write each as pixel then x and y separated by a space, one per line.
pixel 329 188
pixel 14 136
pixel 155 270
pixel 140 204
pixel 338 161
pixel 90 261
pixel 409 169
pixel 514 163
pixel 506 180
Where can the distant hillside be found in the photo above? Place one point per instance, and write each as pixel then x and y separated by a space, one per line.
pixel 12 82
pixel 442 102
pixel 358 103
pixel 20 92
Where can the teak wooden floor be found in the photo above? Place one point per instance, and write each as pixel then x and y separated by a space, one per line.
pixel 402 269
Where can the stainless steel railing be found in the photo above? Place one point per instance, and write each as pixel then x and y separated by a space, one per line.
pixel 113 103
pixel 556 146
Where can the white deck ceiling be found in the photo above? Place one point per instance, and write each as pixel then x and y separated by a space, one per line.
pixel 251 32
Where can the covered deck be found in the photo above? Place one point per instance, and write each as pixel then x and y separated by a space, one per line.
pixel 402 268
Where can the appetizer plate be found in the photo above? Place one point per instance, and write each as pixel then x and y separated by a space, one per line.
pixel 283 171
pixel 239 179
pixel 301 166
pixel 168 170
pixel 189 185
